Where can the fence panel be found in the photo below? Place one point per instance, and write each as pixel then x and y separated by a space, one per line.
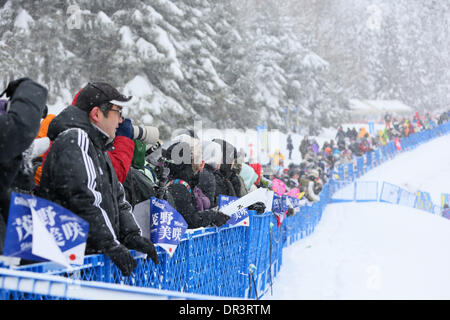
pixel 366 191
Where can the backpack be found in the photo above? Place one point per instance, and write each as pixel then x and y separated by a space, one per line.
pixel 201 200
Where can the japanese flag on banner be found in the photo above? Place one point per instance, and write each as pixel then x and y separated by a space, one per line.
pixel 239 217
pixel 41 230
pixel 167 226
pixel 398 143
pixel 278 209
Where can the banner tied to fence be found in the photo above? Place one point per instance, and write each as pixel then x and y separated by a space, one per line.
pixel 278 209
pixel 239 217
pixel 41 230
pixel 167 226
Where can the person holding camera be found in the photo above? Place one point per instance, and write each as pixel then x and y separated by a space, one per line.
pixel 146 179
pixel 19 122
pixel 79 175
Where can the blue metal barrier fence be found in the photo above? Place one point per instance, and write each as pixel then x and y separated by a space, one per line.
pixel 227 261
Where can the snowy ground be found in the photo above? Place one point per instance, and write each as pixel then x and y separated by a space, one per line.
pixel 377 250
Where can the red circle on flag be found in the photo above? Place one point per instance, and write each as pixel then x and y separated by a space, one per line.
pixel 72 257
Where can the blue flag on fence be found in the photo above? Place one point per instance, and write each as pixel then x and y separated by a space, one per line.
pixel 167 226
pixel 288 201
pixel 278 209
pixel 41 230
pixel 239 217
pixel 424 201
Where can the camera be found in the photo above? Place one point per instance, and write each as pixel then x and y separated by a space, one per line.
pixel 147 134
pixel 161 166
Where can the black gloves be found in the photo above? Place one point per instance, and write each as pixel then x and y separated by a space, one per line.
pixel 290 212
pixel 259 207
pixel 220 218
pixel 122 258
pixel 125 129
pixel 45 112
pixel 143 245
pixel 12 86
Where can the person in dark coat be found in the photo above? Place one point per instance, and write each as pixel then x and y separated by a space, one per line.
pixel 304 147
pixel 183 179
pixel 223 175
pixel 237 181
pixel 290 146
pixel 142 181
pixel 19 124
pixel 340 135
pixel 78 174
pixel 212 156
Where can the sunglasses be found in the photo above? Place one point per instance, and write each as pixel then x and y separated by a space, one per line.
pixel 119 111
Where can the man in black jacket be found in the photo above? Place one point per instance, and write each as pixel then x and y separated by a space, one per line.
pixel 78 174
pixel 19 125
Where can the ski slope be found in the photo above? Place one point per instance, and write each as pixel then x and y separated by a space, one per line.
pixel 377 250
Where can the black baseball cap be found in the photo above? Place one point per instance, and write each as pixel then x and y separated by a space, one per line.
pixel 98 93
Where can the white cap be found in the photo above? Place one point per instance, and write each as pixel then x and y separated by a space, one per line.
pixel 212 153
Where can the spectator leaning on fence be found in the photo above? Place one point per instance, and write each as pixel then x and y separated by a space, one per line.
pixel 19 124
pixel 190 201
pixel 79 175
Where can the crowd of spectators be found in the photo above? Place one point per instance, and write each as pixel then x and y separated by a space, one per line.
pixel 94 162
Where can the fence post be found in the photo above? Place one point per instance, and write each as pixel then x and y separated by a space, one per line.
pixel 246 260
pixel 219 276
pixel 189 271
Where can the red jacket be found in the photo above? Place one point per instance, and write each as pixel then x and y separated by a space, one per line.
pixel 122 156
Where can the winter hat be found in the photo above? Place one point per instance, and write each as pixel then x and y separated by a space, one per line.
pixel 248 175
pixel 194 146
pixel 313 173
pixel 97 93
pixel 44 126
pixel 212 153
pixel 229 152
pixel 258 170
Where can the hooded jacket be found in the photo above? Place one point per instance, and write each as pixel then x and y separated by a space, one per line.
pixel 184 196
pixel 224 174
pixel 78 174
pixel 18 128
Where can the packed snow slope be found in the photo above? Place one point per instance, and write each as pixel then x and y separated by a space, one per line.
pixel 377 250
